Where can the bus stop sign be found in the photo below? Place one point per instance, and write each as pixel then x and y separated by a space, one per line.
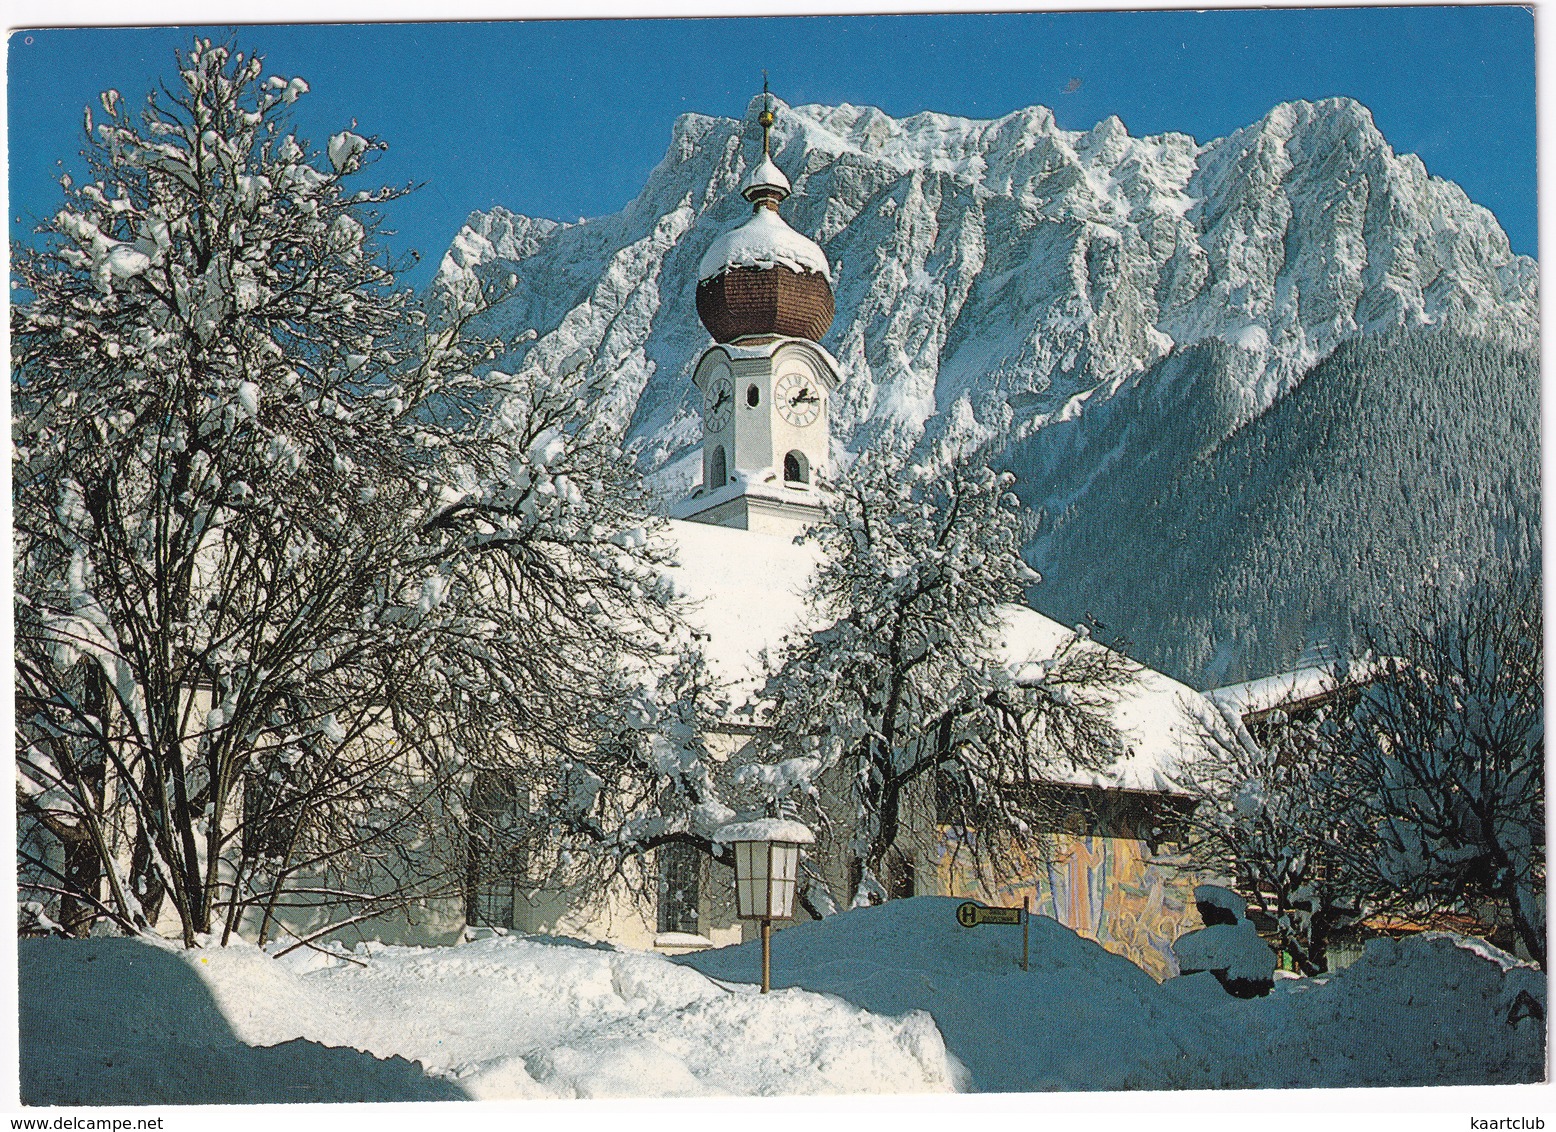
pixel 970 915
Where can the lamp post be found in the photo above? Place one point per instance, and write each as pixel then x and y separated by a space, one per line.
pixel 767 867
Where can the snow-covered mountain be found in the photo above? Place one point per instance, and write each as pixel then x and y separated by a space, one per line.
pixel 996 278
pixel 1395 472
pixel 989 272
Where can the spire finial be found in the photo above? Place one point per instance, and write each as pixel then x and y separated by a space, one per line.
pixel 766 116
pixel 766 186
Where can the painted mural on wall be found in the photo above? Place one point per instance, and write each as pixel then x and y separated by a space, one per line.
pixel 1110 889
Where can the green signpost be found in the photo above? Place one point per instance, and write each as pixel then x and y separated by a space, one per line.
pixel 970 914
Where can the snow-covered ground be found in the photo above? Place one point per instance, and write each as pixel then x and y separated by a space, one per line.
pixel 895 999
pixel 114 1021
pixel 1084 1018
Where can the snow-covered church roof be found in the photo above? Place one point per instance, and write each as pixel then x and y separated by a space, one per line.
pixel 1163 723
pixel 765 240
pixel 746 592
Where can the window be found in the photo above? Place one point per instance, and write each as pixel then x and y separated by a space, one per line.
pixel 796 469
pixel 496 858
pixel 268 816
pixel 680 869
pixel 718 470
pixel 753 396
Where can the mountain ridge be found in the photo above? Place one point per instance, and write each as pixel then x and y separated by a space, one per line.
pixel 996 279
pixel 1095 251
pixel 1395 474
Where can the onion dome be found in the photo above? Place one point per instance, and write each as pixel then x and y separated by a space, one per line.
pixel 764 278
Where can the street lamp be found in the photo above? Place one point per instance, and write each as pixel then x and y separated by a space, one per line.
pixel 767 865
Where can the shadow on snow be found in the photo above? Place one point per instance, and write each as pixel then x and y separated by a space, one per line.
pixel 114 1022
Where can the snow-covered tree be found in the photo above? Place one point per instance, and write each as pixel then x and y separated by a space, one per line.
pixel 1274 811
pixel 905 687
pixel 288 564
pixel 1447 755
pixel 650 780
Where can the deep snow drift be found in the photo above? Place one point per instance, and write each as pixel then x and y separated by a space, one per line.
pixel 126 1021
pixel 1084 1018
pixel 908 1001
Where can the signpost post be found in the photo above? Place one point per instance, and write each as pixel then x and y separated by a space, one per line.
pixel 970 914
pixel 1026 916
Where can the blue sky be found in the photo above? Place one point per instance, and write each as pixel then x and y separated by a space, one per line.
pixel 565 119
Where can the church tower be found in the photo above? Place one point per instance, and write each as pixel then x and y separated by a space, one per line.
pixel 765 294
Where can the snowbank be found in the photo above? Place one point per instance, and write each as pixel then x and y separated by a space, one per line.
pixel 1082 1018
pixel 1432 1010
pixel 112 1021
pixel 909 1001
pixel 1428 1010
pixel 1211 897
pixel 1234 949
pixel 116 1021
pixel 1228 946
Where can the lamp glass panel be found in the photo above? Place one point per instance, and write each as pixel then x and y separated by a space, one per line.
pixel 744 897
pixel 753 883
pixel 785 866
pixel 766 877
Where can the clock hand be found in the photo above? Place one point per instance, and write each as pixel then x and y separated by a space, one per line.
pixel 803 397
pixel 722 399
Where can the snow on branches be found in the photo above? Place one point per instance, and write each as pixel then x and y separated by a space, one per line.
pixel 1447 754
pixel 290 560
pixel 1412 783
pixel 904 689
pixel 1271 800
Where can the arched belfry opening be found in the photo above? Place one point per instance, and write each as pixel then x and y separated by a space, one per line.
pixel 796 469
pixel 718 469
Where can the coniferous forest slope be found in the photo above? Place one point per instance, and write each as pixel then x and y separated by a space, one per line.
pixel 1392 471
pixel 1130 323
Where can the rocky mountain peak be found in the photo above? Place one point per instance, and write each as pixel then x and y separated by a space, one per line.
pixel 998 274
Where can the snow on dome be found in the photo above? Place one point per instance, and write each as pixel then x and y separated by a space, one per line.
pixel 763 241
pixel 766 175
pixel 765 829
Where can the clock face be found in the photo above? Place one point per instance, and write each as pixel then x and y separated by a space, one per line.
pixel 799 399
pixel 718 404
